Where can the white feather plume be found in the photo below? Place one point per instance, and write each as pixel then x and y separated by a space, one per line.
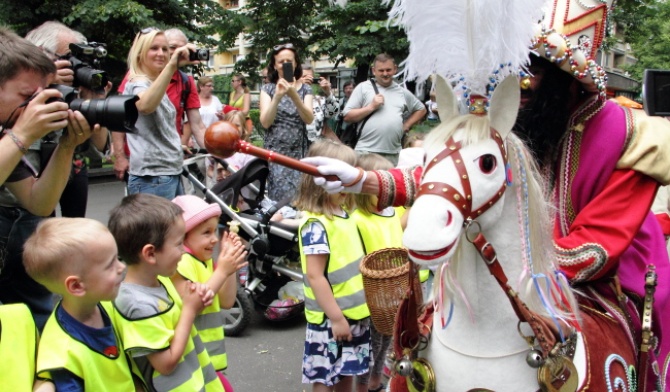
pixel 466 39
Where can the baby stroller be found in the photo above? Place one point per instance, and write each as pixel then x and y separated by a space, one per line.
pixel 273 255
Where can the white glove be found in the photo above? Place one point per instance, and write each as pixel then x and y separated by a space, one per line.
pixel 345 172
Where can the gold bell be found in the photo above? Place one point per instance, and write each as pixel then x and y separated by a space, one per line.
pixel 525 83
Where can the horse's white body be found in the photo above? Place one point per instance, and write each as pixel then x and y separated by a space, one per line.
pixel 480 346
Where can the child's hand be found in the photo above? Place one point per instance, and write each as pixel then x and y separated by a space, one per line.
pixel 192 298
pixel 232 255
pixel 341 330
pixel 205 293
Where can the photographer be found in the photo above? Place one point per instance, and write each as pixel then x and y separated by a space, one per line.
pixel 28 111
pixel 54 39
pixel 183 94
pixel 156 155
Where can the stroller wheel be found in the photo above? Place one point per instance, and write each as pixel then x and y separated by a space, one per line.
pixel 237 318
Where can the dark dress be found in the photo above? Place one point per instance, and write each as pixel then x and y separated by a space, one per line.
pixel 288 136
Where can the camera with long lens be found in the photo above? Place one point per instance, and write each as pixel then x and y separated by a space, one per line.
pixel 198 54
pixel 656 92
pixel 85 58
pixel 116 113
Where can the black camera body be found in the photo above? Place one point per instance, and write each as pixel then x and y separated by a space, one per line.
pixel 85 58
pixel 656 92
pixel 198 54
pixel 116 113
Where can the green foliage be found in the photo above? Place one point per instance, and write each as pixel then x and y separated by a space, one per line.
pixel 358 31
pixel 258 133
pixel 648 32
pixel 115 22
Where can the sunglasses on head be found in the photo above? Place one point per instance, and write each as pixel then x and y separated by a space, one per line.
pixel 148 30
pixel 277 48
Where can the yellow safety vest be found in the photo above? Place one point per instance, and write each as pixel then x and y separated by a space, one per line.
pixel 210 322
pixel 18 348
pixel 100 371
pixel 194 371
pixel 381 232
pixel 343 273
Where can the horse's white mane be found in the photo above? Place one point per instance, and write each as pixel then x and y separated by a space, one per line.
pixel 539 217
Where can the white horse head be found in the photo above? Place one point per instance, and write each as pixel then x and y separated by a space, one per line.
pixel 469 150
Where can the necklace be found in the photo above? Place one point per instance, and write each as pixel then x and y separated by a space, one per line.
pixel 477 355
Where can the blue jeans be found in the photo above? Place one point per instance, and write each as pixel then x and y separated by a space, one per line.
pixel 16 225
pixel 168 187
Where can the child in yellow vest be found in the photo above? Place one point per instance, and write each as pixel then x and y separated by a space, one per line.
pixel 378 230
pixel 80 348
pixel 337 342
pixel 196 265
pixel 154 316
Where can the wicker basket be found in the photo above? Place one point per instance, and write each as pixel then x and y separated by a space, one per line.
pixel 386 283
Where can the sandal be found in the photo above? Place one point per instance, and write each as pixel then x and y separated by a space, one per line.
pixel 380 388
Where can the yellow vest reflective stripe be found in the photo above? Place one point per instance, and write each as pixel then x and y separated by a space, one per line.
pixel 99 371
pixel 18 348
pixel 381 232
pixel 343 273
pixel 210 322
pixel 194 372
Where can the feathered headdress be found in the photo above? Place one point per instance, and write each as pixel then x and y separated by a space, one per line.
pixel 473 43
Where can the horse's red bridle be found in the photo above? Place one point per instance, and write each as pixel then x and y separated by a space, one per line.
pixel 446 191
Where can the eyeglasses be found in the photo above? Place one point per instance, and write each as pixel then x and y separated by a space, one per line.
pixel 148 30
pixel 277 48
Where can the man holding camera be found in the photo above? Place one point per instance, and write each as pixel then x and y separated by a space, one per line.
pixel 28 111
pixel 56 40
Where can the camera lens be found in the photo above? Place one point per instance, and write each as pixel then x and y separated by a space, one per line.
pixel 93 79
pixel 199 54
pixel 117 113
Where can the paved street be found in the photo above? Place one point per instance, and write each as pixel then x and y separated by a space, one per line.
pixel 267 357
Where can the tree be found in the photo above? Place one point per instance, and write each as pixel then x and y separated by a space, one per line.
pixel 647 29
pixel 272 22
pixel 359 31
pixel 115 22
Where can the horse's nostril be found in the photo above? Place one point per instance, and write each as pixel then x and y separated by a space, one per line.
pixel 450 218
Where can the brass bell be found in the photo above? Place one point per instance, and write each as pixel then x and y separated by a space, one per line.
pixel 525 83
pixel 534 359
pixel 404 367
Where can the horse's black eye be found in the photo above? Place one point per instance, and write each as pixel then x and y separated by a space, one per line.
pixel 487 163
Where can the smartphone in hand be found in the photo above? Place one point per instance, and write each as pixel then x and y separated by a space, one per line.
pixel 287 69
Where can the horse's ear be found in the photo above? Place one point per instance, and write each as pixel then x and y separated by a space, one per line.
pixel 447 103
pixel 504 105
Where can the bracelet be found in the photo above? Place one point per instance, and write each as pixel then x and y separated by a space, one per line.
pixel 16 141
pixel 358 178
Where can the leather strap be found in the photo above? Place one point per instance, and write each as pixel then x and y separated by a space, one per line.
pixel 461 200
pixel 647 334
pixel 544 333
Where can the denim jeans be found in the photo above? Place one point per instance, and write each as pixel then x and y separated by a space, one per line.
pixel 16 225
pixel 168 187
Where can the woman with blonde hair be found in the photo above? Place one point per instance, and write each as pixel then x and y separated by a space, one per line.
pixel 155 149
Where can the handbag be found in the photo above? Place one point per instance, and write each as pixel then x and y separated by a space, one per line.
pixel 350 135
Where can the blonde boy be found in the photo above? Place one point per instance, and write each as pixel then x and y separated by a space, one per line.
pixel 156 320
pixel 80 348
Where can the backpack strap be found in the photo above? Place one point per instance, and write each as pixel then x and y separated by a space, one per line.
pixel 186 89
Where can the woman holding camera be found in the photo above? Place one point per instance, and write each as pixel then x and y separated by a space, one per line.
pixel 286 106
pixel 155 149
